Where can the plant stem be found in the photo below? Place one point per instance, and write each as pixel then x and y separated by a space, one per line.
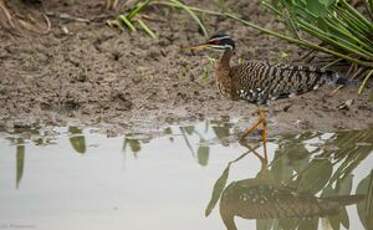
pixel 362 86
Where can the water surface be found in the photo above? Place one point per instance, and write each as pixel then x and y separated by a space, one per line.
pixel 69 178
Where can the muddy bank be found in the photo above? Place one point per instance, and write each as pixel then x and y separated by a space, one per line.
pixel 97 76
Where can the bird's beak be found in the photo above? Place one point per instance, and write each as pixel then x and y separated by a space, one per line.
pixel 198 47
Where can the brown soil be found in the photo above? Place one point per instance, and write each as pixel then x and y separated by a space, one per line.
pixel 96 76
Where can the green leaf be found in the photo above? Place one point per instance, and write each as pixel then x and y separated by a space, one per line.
pixel 138 8
pixel 188 129
pixel 217 191
pixel 344 218
pixel 315 8
pixel 127 22
pixel 20 160
pixel 203 154
pixel 315 177
pixel 221 132
pixel 344 185
pixel 280 167
pixel 77 140
pixel 167 131
pixel 146 29
pixel 365 209
pixel 134 145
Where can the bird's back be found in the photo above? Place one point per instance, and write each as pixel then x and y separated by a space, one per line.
pixel 260 82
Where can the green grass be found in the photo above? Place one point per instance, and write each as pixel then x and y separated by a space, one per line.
pixel 336 24
pixel 132 18
pixel 343 32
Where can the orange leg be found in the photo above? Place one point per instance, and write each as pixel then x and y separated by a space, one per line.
pixel 262 120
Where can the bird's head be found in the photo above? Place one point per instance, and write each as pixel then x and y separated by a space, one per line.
pixel 218 41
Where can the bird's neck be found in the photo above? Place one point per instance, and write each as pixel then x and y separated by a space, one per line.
pixel 224 62
pixel 222 74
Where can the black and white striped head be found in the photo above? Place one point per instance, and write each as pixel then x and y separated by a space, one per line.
pixel 217 42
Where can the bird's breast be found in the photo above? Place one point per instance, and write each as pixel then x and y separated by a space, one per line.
pixel 223 82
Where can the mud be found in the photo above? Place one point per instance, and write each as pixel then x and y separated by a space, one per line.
pixel 97 76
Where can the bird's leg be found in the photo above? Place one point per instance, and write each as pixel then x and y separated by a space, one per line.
pixel 262 120
pixel 263 160
pixel 264 132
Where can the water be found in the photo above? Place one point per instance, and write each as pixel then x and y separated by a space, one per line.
pixel 68 178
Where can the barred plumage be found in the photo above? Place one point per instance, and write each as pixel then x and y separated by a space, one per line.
pixel 260 82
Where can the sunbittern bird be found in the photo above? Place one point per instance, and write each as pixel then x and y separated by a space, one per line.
pixel 253 199
pixel 260 82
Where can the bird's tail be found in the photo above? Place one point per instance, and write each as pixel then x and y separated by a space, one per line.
pixel 347 199
pixel 334 78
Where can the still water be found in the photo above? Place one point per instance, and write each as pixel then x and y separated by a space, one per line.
pixel 185 177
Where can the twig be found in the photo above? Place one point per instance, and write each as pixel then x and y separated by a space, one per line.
pixel 334 92
pixel 304 56
pixel 362 86
pixel 332 63
pixel 358 71
pixel 351 69
pixel 68 17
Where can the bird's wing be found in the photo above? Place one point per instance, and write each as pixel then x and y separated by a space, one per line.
pixel 266 201
pixel 261 81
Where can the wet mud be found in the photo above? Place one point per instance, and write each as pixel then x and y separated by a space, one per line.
pixel 93 75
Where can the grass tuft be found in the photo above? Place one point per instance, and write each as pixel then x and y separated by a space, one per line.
pixel 132 17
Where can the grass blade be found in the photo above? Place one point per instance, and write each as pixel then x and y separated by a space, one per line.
pixel 365 81
pixel 127 22
pixel 146 28
pixel 139 6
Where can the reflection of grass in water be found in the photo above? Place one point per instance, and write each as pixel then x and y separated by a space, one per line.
pixel 365 209
pixel 20 161
pixel 77 140
pixel 310 170
pixel 354 147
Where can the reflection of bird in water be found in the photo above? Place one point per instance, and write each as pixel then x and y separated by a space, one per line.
pixel 259 82
pixel 252 199
pixel 263 198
